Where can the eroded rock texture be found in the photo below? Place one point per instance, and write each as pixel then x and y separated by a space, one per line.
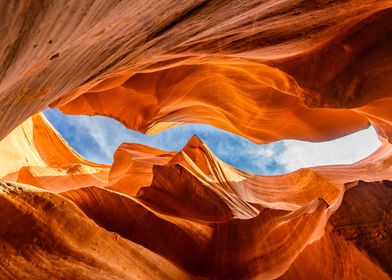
pixel 265 70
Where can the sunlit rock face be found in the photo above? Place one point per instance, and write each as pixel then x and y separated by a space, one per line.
pixel 265 70
pixel 34 153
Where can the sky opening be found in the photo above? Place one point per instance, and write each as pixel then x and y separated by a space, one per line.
pixel 96 138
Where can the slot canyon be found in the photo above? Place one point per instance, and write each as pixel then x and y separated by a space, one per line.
pixel 264 70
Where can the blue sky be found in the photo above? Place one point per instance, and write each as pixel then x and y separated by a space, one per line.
pixel 96 138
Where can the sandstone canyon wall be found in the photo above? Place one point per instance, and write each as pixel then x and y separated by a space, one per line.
pixel 265 70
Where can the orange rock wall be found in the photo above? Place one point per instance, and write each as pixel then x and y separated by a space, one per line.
pixel 266 56
pixel 265 70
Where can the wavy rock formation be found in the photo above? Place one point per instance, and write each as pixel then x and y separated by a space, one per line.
pixel 358 233
pixel 253 53
pixel 264 70
pixel 205 239
pixel 237 224
pixel 132 165
pixel 365 219
pixel 49 237
pixel 36 154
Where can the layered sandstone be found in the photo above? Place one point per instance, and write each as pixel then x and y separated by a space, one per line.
pixel 236 224
pixel 35 153
pixel 205 62
pixel 265 70
pixel 50 237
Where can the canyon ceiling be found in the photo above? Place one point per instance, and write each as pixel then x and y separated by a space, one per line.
pixel 264 70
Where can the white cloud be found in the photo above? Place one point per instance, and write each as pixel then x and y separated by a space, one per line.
pixel 268 151
pixel 345 150
pixel 97 138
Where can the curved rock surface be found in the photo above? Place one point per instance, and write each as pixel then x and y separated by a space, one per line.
pixel 358 234
pixel 36 154
pixel 237 224
pixel 265 70
pixel 132 165
pixel 208 240
pixel 272 58
pixel 49 237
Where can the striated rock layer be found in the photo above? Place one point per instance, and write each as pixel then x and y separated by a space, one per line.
pixel 244 67
pixel 235 224
pixel 49 237
pixel 36 154
pixel 265 70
